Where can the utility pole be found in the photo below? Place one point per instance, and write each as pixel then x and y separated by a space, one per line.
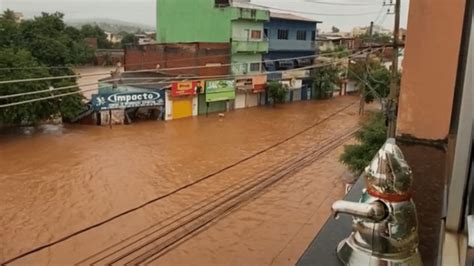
pixel 366 74
pixel 392 104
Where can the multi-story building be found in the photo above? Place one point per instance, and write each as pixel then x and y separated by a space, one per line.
pixel 236 22
pixel 292 41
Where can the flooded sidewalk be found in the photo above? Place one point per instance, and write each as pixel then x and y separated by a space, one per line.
pixel 65 180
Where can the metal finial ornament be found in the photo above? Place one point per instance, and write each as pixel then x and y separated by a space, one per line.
pixel 385 226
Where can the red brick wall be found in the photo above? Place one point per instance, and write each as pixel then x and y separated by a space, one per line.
pixel 180 55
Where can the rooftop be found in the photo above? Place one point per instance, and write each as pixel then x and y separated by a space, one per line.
pixel 288 16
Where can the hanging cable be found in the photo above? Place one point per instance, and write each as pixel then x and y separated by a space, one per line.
pixel 318 14
pixel 137 78
pixel 148 70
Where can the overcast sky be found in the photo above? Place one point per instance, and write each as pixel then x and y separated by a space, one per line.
pixel 337 13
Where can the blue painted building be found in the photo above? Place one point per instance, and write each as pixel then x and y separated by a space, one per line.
pixel 291 36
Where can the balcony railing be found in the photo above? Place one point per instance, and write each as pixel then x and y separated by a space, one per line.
pixel 291 45
pixel 247 46
pixel 250 14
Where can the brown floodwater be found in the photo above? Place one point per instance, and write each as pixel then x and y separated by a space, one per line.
pixel 57 180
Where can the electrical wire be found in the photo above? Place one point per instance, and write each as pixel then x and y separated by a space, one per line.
pixel 341 3
pixel 136 64
pixel 170 79
pixel 161 70
pixel 62 239
pixel 318 14
pixel 87 90
pixel 148 70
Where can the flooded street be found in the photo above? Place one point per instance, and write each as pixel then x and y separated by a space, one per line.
pixel 254 186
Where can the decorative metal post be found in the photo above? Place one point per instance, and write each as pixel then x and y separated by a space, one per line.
pixel 385 225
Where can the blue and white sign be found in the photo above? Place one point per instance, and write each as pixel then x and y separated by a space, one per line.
pixel 122 100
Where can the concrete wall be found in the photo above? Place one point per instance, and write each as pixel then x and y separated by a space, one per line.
pixel 241 30
pixel 245 60
pixel 192 21
pixel 292 43
pixel 430 68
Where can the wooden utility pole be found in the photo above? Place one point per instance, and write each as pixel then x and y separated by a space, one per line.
pixel 366 74
pixel 392 104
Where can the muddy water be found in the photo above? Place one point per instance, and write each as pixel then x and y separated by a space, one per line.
pixel 61 180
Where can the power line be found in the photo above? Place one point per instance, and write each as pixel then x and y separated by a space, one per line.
pixel 168 81
pixel 156 199
pixel 341 3
pixel 136 64
pixel 318 14
pixel 147 78
pixel 148 70
pixel 191 78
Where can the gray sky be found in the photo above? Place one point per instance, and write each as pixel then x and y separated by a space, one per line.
pixel 143 11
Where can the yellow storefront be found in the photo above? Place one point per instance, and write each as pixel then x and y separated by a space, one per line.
pixel 182 107
pixel 181 100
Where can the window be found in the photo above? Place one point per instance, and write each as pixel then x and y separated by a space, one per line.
pixel 256 35
pixel 221 3
pixel 265 33
pixel 282 34
pixel 313 35
pixel 255 67
pixel 301 35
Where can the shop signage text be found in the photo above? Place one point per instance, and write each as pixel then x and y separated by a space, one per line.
pixel 185 88
pixel 127 100
pixel 220 90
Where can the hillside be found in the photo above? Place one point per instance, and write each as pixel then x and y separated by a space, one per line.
pixel 111 25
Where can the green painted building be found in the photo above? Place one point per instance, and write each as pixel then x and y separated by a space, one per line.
pixel 220 21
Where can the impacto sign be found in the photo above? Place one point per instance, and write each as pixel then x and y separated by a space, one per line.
pixel 185 88
pixel 220 90
pixel 127 100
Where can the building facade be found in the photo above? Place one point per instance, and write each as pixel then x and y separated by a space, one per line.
pixel 291 37
pixel 235 22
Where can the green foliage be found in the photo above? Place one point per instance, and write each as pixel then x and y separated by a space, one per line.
pixel 378 38
pixel 372 77
pixel 371 137
pixel 325 80
pixel 277 92
pixel 41 42
pixel 128 39
pixel 338 52
pixel 94 31
pixel 30 113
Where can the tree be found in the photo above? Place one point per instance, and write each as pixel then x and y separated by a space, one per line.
pixel 277 92
pixel 326 78
pixel 94 31
pixel 129 39
pixel 30 113
pixel 376 38
pixel 339 51
pixel 41 42
pixel 335 29
pixel 8 29
pixel 371 137
pixel 372 77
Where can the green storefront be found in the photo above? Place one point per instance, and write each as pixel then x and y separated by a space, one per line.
pixel 216 97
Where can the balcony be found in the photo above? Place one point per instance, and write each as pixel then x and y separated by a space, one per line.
pixel 239 13
pixel 291 45
pixel 244 46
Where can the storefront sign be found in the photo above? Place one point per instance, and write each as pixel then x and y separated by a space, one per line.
pixel 124 100
pixel 185 88
pixel 220 90
pixel 244 84
pixel 293 83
